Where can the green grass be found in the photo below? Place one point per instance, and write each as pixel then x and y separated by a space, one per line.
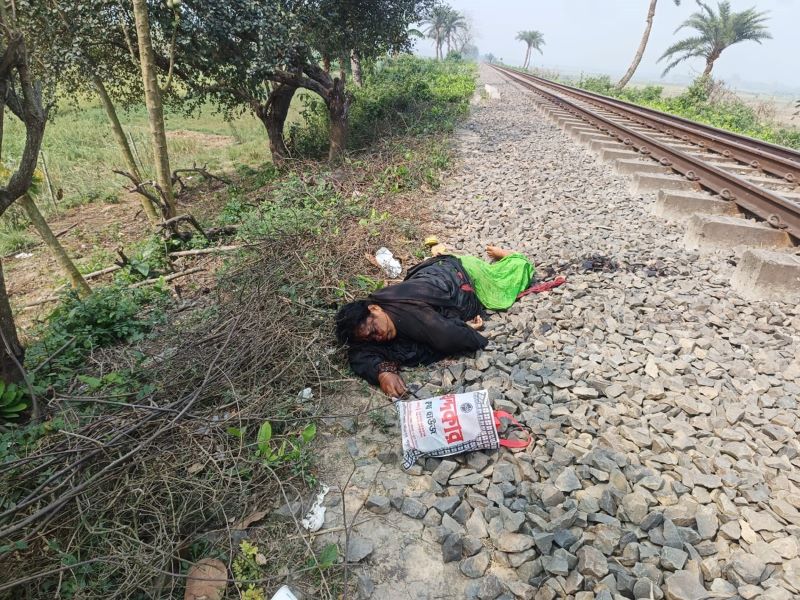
pixel 81 151
pixel 704 102
pixel 15 240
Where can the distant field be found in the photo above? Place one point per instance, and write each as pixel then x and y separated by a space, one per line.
pixel 81 151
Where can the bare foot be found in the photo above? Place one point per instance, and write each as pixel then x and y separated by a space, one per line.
pixel 496 253
pixel 476 323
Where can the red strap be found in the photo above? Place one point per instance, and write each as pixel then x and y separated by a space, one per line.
pixel 501 414
pixel 544 286
pixel 467 287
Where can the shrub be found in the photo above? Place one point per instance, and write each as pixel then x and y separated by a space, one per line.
pixel 400 96
pixel 109 315
pixel 706 101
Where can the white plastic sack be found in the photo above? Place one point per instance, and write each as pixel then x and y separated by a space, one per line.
pixel 446 425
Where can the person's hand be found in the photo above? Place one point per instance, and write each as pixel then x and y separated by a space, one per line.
pixel 476 323
pixel 392 384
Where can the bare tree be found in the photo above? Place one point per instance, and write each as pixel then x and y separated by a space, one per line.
pixel 24 99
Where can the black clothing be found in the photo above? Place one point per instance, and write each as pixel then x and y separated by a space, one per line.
pixel 429 310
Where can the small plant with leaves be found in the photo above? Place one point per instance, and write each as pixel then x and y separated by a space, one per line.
pixel 292 451
pixel 12 404
pixel 247 569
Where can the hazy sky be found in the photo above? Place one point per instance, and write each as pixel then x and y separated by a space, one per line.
pixel 602 36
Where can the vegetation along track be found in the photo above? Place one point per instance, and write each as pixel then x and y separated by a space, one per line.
pixel 759 178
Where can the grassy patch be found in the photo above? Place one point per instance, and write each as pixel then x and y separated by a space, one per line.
pixel 704 101
pixel 81 151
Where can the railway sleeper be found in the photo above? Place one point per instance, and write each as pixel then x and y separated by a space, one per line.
pixel 682 206
pixel 764 275
pixel 629 167
pixel 708 233
pixel 648 182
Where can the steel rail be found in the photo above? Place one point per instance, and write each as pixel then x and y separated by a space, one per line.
pixel 779 212
pixel 771 158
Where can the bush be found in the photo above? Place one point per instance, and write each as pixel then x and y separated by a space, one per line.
pixel 705 101
pixel 109 315
pixel 400 96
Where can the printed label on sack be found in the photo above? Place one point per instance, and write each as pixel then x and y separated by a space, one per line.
pixel 446 425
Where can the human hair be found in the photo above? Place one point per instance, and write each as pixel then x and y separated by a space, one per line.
pixel 349 318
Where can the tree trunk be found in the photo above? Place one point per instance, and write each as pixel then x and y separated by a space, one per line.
pixel 709 66
pixel 122 142
pixel 642 45
pixel 155 109
pixel 51 241
pixel 438 46
pixel 527 58
pixel 338 103
pixel 9 371
pixel 273 115
pixel 355 67
pixel 343 67
pixel 326 63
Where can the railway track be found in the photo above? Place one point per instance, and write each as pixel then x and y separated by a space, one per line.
pixel 705 176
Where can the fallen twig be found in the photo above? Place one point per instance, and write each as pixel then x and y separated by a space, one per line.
pixel 203 251
pixel 168 277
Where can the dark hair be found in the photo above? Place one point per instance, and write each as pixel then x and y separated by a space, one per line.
pixel 349 318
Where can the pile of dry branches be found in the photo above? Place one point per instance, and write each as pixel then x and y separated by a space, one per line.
pixel 121 506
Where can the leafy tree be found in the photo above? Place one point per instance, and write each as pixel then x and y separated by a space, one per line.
pixel 490 58
pixel 716 31
pixel 87 48
pixel 254 55
pixel 642 44
pixel 534 41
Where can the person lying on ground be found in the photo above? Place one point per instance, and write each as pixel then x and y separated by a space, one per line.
pixel 434 313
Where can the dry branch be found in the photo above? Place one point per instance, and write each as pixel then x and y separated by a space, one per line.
pixel 213 250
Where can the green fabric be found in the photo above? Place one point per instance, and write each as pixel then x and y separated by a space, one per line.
pixel 497 284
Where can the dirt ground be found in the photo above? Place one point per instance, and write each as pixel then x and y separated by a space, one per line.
pixel 91 234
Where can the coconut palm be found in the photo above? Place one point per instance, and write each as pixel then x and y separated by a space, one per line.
pixel 444 26
pixel 716 31
pixel 642 44
pixel 454 25
pixel 534 40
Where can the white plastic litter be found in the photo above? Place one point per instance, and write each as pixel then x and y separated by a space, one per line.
pixel 306 394
pixel 316 515
pixel 284 594
pixel 390 265
pixel 446 425
pixel 23 255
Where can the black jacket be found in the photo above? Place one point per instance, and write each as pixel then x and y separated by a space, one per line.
pixel 429 310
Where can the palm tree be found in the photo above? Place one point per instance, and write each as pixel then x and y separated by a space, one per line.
pixel 435 27
pixel 455 23
pixel 444 26
pixel 716 31
pixel 534 40
pixel 642 44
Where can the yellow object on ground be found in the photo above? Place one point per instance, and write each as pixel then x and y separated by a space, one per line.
pixel 438 250
pixel 431 240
